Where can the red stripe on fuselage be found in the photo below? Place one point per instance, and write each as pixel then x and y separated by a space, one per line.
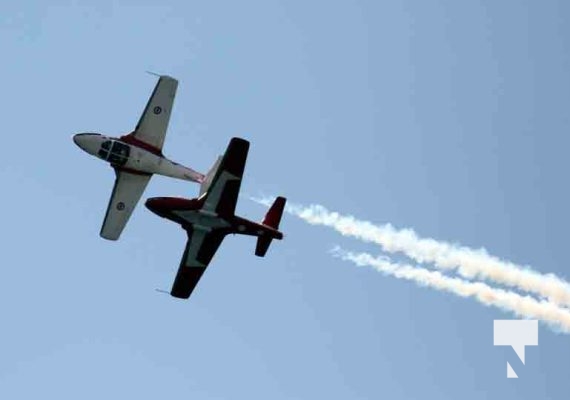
pixel 132 140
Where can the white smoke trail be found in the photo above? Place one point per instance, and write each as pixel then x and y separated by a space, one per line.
pixel 469 263
pixel 523 306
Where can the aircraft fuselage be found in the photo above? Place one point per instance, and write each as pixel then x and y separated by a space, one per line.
pixel 128 154
pixel 190 213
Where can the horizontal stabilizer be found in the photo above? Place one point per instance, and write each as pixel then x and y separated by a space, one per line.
pixel 262 245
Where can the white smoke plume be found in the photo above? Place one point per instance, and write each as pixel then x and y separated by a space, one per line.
pixel 467 262
pixel 523 306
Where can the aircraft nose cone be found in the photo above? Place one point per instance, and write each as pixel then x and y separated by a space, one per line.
pixel 159 205
pixel 154 205
pixel 79 140
pixel 149 204
pixel 86 142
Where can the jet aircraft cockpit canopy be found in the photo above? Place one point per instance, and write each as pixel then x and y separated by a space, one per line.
pixel 104 150
pixel 115 152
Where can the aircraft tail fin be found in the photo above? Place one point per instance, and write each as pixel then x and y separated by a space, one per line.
pixel 271 220
pixel 210 176
pixel 273 216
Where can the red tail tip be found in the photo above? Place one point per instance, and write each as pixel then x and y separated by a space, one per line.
pixel 273 216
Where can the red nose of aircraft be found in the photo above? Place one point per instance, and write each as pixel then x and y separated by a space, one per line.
pixel 158 205
pixel 162 205
pixel 154 204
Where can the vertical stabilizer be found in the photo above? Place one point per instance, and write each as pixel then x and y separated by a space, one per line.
pixel 271 220
pixel 273 216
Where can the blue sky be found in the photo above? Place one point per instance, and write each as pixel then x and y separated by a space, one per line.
pixel 448 117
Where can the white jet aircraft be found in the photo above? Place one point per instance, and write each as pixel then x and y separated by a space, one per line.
pixel 136 157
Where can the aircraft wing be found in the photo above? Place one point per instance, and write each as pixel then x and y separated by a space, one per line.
pixel 200 248
pixel 126 193
pixel 153 122
pixel 222 194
